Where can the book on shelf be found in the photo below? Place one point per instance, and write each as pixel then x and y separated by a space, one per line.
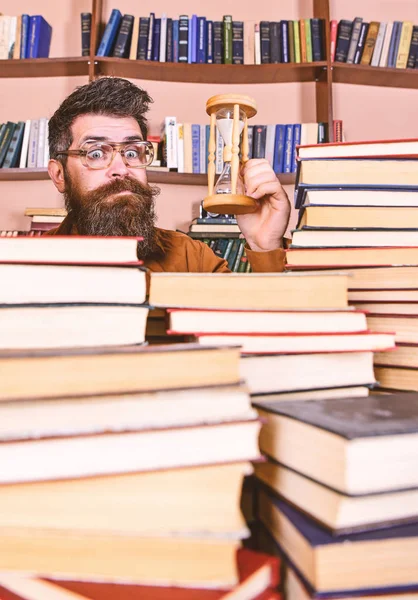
pixel 383 429
pixel 393 195
pixel 353 238
pixel 364 217
pixel 24 36
pixel 401 147
pixel 304 258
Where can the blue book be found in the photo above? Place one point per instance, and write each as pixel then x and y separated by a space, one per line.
pixel 141 53
pixel 40 32
pixel 194 39
pixel 169 42
pixel 189 41
pixel 296 141
pixel 288 147
pixel 110 33
pixel 278 156
pixel 394 43
pixel 175 40
pixel 196 148
pixel 156 40
pixel 201 40
pixel 209 42
pixel 284 39
pixel 24 46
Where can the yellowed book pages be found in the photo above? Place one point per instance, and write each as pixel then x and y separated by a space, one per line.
pixel 134 41
pixel 404 45
pixel 16 51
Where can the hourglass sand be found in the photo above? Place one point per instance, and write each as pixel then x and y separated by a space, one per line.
pixel 229 113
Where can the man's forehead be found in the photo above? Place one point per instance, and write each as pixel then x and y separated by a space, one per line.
pixel 115 129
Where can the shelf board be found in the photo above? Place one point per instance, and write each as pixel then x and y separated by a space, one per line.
pixel 45 67
pixel 204 73
pixel 168 177
pixel 378 76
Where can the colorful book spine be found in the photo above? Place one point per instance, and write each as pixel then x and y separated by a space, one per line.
pixel 237 42
pixel 296 37
pixel 369 43
pixel 40 32
pixel 150 39
pixel 284 39
pixel 162 53
pixel 360 44
pixel 183 38
pixel 201 40
pixel 302 36
pixel 309 56
pixel 317 37
pixel 378 47
pixel 355 34
pixel 194 39
pixel 123 39
pixel 288 149
pixel 176 25
pixel 110 32
pixel 85 18
pixel 394 43
pixel 333 38
pixel 133 52
pixel 169 53
pixel 144 26
pixel 24 37
pixel 291 35
pixel 209 38
pixel 196 148
pixel 295 142
pixel 265 42
pixel 227 31
pixel 217 42
pixel 279 142
pixel 412 56
pixel 404 45
pixel 343 40
pixel 156 40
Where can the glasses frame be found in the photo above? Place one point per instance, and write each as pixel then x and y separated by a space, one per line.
pixel 116 147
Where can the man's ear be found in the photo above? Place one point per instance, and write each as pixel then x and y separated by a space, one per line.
pixel 56 173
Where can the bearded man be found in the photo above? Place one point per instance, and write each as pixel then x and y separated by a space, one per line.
pixel 99 154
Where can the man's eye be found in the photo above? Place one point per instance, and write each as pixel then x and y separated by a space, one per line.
pixel 131 153
pixel 96 154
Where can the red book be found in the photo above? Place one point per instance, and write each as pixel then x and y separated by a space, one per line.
pixel 259 574
pixel 333 38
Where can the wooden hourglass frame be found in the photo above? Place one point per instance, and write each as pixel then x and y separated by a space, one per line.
pixel 233 203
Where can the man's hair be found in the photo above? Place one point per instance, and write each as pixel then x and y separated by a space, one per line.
pixel 110 96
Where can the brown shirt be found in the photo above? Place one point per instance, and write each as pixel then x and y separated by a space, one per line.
pixel 177 252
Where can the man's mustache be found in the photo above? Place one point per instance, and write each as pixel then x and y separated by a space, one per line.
pixel 127 184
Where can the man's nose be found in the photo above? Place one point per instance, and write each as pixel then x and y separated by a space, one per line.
pixel 117 167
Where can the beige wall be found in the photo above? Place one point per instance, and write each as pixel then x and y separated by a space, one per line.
pixel 367 112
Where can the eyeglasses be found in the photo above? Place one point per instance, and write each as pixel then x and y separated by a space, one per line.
pixel 100 155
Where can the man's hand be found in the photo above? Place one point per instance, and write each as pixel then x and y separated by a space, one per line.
pixel 264 228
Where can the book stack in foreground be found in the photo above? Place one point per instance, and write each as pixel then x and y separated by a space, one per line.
pixel 109 447
pixel 359 213
pixel 44 219
pixel 296 331
pixel 339 494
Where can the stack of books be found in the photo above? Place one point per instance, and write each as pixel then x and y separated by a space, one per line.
pixel 24 36
pixel 44 219
pixel 359 212
pixel 339 494
pixel 111 443
pixel 285 324
pixel 24 144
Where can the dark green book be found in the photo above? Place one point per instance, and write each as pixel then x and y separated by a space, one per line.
pixel 13 153
pixel 227 46
pixel 6 138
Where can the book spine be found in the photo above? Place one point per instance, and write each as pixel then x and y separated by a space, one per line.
pixel 370 42
pixel 202 149
pixel 169 55
pixel 404 45
pixel 284 41
pixel 291 37
pixel 209 39
pixel 196 148
pixel 270 135
pixel 227 31
pixel 219 162
pixel 296 36
pixel 217 43
pixel 412 57
pixel 33 144
pixel 279 141
pixel 24 36
pixel 25 144
pixel 257 44
pixel 41 143
pixel 322 133
pixel 18 36
pixel 295 142
pixel 355 34
pixel 110 32
pixel 150 40
pixel 343 40
pixel 33 42
pixel 133 51
pixel 183 38
pixel 233 253
pixel 143 38
pixel 275 50
pixel 162 53
pixel 123 40
pixel 202 40
pixel 156 40
pixel 194 40
pixel 240 252
pixel 85 18
pixel 316 37
pixel 288 149
pixel 302 37
pixel 176 40
pixel 259 141
pixel 180 148
pixel 216 221
pixel 265 42
pixel 8 144
pixel 249 52
pixel 11 37
pixel 308 40
pixel 171 142
pixel 394 43
pixel 237 42
pixel 338 130
pixel 378 47
pixel 360 45
pixel 333 38
pixel 383 62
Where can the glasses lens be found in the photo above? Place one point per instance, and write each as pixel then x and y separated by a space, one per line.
pixel 139 154
pixel 98 156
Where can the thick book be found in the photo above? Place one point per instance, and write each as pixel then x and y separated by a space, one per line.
pixel 85 18
pixel 350 257
pixel 265 42
pixel 282 373
pixel 369 43
pixel 109 36
pixel 399 196
pixel 11 159
pixel 368 563
pixel 355 33
pixel 361 42
pixel 372 440
pixel 253 291
pixel 413 49
pixel 218 43
pixel 227 39
pixel 123 39
pixel 343 40
pixel 144 25
pixel 405 325
pixel 237 42
pixel 368 217
pixel 39 42
pixel 353 238
pixel 258 575
pixel 275 42
pixel 340 513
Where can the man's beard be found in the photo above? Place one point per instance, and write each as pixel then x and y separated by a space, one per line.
pixel 100 212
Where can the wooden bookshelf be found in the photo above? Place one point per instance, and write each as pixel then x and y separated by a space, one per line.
pixel 168 177
pixel 45 67
pixel 377 76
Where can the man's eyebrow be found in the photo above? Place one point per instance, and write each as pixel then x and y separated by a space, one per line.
pixel 103 138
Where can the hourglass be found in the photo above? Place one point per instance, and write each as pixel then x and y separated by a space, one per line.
pixel 229 113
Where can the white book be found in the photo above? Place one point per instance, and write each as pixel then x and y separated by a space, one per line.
pixel 187 138
pixel 309 134
pixel 249 50
pixel 378 47
pixel 4 36
pixel 203 157
pixel 257 44
pixel 40 152
pixel 180 148
pixel 386 43
pixel 219 155
pixel 163 38
pixel 25 145
pixel 46 144
pixel 270 137
pixel 33 144
pixel 12 36
pixel 171 142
